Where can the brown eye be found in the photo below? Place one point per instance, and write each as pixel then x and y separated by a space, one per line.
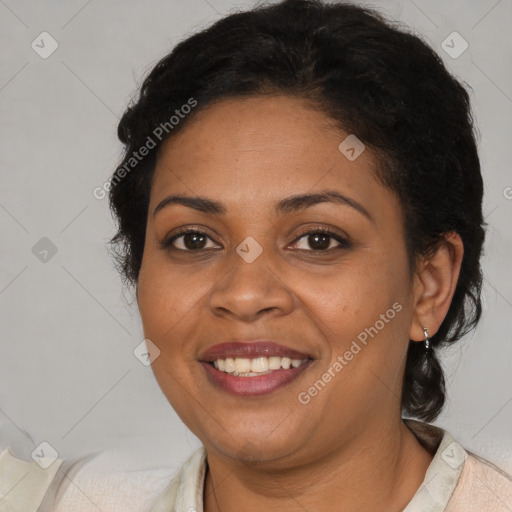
pixel 321 239
pixel 192 240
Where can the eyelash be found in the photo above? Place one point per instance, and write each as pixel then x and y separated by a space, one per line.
pixel 344 243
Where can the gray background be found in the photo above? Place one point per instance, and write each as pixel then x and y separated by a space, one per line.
pixel 67 369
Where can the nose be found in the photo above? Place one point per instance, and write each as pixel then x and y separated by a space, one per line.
pixel 247 290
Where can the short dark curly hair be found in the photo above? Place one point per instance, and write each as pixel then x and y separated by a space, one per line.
pixel 373 77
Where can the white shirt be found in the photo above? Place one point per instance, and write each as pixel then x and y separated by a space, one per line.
pixel 455 481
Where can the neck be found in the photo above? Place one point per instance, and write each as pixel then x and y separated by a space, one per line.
pixel 379 469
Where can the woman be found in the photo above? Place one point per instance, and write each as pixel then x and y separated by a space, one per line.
pixel 300 213
pixel 303 239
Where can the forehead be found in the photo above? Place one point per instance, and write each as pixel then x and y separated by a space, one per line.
pixel 261 149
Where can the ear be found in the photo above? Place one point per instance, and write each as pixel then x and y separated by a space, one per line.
pixel 435 281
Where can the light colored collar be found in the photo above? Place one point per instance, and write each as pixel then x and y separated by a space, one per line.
pixel 185 492
pixel 443 472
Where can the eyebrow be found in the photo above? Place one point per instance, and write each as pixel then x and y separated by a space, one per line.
pixel 284 206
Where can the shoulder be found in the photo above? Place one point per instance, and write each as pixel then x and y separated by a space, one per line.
pixel 482 487
pixel 458 480
pixel 107 480
pixel 23 484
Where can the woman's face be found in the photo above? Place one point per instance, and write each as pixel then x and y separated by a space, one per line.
pixel 255 275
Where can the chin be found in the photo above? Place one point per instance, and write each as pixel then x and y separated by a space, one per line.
pixel 245 447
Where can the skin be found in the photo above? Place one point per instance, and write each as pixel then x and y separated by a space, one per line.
pixel 272 452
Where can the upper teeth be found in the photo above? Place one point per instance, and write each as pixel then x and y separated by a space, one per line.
pixel 258 365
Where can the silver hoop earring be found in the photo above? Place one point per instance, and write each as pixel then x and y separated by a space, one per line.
pixel 428 345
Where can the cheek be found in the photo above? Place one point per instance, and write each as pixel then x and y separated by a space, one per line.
pixel 165 293
pixel 166 300
pixel 354 294
pixel 363 313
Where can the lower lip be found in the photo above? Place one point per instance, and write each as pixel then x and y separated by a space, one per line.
pixel 254 386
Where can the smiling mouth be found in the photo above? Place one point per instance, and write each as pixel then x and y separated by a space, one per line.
pixel 253 368
pixel 246 383
pixel 257 366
